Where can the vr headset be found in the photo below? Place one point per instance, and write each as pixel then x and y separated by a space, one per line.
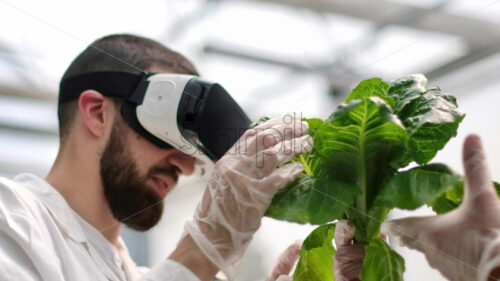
pixel 178 111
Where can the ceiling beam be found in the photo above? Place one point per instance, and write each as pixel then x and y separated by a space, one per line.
pixel 25 92
pixel 241 53
pixel 462 61
pixel 338 74
pixel 481 37
pixel 477 33
pixel 4 126
pixel 482 69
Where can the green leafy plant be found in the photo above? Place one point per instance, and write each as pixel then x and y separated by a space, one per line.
pixel 357 171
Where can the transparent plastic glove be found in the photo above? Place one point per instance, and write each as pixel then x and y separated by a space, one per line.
pixel 348 260
pixel 286 263
pixel 241 187
pixel 463 244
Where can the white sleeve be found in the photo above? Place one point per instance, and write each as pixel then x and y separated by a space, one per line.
pixel 15 264
pixel 23 255
pixel 169 270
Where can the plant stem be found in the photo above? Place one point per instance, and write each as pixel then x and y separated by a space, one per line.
pixel 361 180
pixel 307 168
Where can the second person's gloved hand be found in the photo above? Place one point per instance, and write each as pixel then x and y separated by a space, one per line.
pixel 348 260
pixel 242 185
pixel 463 244
pixel 282 271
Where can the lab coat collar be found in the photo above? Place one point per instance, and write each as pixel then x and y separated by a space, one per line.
pixel 55 203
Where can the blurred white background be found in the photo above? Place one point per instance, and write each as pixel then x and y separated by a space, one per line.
pixel 273 56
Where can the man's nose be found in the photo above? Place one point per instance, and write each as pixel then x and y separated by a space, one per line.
pixel 183 162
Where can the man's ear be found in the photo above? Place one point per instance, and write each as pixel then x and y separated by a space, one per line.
pixel 94 110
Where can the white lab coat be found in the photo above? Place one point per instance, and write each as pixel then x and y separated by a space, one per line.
pixel 42 238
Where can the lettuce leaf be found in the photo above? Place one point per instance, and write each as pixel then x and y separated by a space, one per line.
pixel 418 186
pixel 452 198
pixel 314 197
pixel 360 144
pixel 430 116
pixel 382 263
pixel 313 200
pixel 316 256
pixel 374 87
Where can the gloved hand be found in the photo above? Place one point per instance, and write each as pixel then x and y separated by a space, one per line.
pixel 241 187
pixel 463 244
pixel 348 260
pixel 285 264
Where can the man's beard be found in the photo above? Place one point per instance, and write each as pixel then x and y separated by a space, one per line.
pixel 131 200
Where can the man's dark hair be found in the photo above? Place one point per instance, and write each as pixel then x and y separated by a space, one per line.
pixel 120 52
